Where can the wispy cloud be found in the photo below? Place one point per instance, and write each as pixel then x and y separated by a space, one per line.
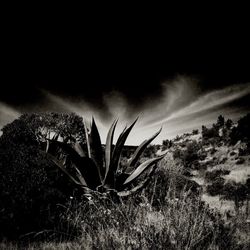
pixel 7 114
pixel 212 100
pixel 198 110
pixel 181 107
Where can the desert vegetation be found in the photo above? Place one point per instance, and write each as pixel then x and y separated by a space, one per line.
pixel 61 188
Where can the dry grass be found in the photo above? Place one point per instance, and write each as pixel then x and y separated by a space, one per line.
pixel 179 221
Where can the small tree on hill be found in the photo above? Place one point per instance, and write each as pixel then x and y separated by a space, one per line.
pixel 229 124
pixel 242 131
pixel 237 192
pixel 220 121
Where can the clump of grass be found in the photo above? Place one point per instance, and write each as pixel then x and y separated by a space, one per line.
pixel 181 223
pixel 171 219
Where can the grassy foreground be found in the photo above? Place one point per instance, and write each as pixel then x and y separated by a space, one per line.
pixel 180 220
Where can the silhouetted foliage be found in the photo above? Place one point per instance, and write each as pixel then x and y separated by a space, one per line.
pixel 167 144
pixel 188 156
pixel 69 127
pixel 220 121
pixel 31 187
pixel 240 161
pixel 195 131
pixel 242 131
pixel 244 151
pixel 229 123
pixel 208 133
pixel 237 192
pixel 216 187
pixel 212 175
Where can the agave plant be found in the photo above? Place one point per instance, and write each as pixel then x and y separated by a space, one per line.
pixel 99 170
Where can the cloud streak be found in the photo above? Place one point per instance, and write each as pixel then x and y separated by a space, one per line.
pixel 208 101
pixel 179 108
pixel 7 114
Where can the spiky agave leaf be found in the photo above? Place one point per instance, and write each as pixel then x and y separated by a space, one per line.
pixel 47 146
pixel 108 147
pixel 87 138
pixel 141 149
pixel 96 148
pixel 88 170
pixel 139 170
pixel 56 136
pixel 80 182
pixel 85 165
pixel 141 185
pixel 109 178
pixel 77 147
pixel 61 166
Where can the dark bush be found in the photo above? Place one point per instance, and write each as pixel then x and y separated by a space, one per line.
pixel 232 153
pixel 208 133
pixel 177 154
pixel 244 151
pixel 32 188
pixel 195 132
pixel 216 187
pixel 240 161
pixel 223 160
pixel 167 144
pixel 213 150
pixel 242 131
pixel 189 156
pixel 237 192
pixel 212 175
pixel 229 123
pixel 220 121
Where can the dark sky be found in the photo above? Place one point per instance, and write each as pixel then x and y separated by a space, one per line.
pixel 133 70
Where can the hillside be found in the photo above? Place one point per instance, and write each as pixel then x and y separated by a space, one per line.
pixel 217 161
pixel 194 196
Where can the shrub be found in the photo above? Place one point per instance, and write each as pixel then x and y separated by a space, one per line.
pixel 69 127
pixel 167 144
pixel 223 160
pixel 216 187
pixel 28 189
pixel 240 161
pixel 232 153
pixel 31 186
pixel 212 175
pixel 229 123
pixel 195 132
pixel 213 151
pixel 208 133
pixel 183 223
pixel 244 151
pixel 237 192
pixel 188 156
pixel 242 131
pixel 220 121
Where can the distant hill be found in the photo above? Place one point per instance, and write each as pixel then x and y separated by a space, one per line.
pixel 218 159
